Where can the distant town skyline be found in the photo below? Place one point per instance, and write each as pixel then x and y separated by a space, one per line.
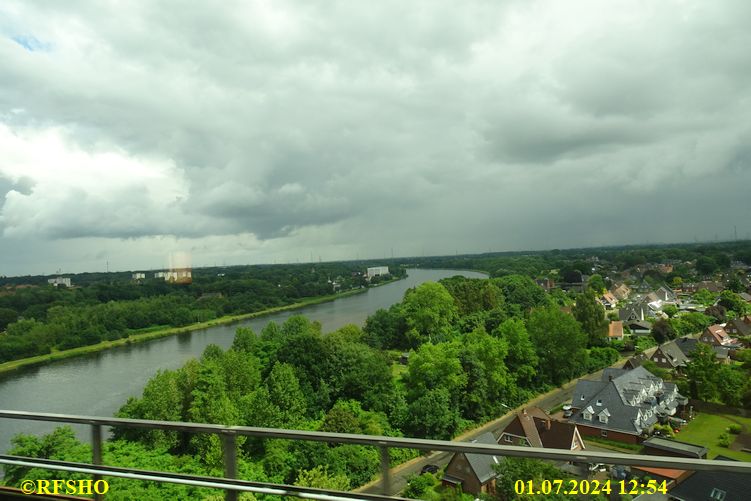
pixel 277 131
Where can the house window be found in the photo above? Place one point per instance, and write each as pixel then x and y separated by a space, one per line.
pixel 603 433
pixel 599 401
pixel 582 398
pixel 603 419
pixel 718 494
pixel 507 438
pixel 587 416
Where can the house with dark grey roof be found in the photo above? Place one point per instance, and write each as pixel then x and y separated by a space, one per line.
pixel 658 446
pixel 666 294
pixel 669 356
pixel 739 326
pixel 534 427
pixel 713 485
pixel 474 473
pixel 624 404
pixel 635 311
pixel 688 344
pixel 639 359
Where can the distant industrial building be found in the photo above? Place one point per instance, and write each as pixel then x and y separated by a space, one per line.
pixel 377 270
pixel 180 276
pixel 139 276
pixel 64 281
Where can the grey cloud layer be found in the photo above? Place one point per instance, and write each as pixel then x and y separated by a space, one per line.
pixel 420 121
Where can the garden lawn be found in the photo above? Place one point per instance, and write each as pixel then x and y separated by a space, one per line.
pixel 706 429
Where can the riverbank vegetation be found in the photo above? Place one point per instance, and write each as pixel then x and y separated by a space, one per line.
pixel 39 319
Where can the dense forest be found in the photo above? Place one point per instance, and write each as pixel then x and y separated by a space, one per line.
pixel 477 347
pixel 38 318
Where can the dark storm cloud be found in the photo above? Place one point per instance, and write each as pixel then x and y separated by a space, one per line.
pixel 262 126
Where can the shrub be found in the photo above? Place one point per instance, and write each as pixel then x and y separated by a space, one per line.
pixel 735 429
pixel 724 440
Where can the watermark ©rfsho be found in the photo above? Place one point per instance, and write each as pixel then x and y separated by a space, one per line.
pixel 67 487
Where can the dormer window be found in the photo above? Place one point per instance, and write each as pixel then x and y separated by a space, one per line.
pixel 587 416
pixel 603 418
pixel 582 399
pixel 599 401
pixel 718 494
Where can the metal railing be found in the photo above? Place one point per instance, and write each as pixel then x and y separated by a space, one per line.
pixel 232 485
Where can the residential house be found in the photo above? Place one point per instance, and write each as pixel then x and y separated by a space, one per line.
pixel 635 311
pixel 669 356
pixel 474 473
pixel 535 428
pixel 687 345
pixel 666 294
pixel 608 300
pixel 624 404
pixel 716 335
pixel 621 292
pixel 639 327
pixel 710 285
pixel 715 485
pixel 615 330
pixel 138 276
pixel 639 359
pixel 739 326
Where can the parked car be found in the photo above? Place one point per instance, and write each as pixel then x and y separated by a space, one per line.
pixel 429 468
pixel 567 412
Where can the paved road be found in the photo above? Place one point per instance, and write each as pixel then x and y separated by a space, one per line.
pixel 399 474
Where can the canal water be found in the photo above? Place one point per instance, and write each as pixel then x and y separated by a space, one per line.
pixel 100 383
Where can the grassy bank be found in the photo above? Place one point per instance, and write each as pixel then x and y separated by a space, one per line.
pixel 164 332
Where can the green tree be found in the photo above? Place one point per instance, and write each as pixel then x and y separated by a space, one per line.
pixel 591 316
pixel 433 415
pixel 320 478
pixel 560 344
pixel 284 391
pixel 662 331
pixel 245 340
pixel 522 360
pixel 596 284
pixel 7 317
pixel 703 296
pixel 733 302
pixel 706 265
pixel 430 312
pixel 522 291
pixel 670 310
pixel 701 372
pixel 435 366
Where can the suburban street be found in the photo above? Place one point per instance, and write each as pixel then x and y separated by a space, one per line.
pixel 546 401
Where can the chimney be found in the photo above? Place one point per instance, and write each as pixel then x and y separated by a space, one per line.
pixel 548 424
pixel 524 412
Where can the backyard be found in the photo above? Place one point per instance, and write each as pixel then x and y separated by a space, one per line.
pixel 705 429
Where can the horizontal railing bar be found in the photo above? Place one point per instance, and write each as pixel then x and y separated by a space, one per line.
pixel 400 442
pixel 194 480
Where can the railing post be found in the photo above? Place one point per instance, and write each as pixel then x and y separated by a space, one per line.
pixel 385 471
pixel 96 453
pixel 229 449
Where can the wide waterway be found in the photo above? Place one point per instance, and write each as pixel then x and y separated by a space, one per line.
pixel 98 384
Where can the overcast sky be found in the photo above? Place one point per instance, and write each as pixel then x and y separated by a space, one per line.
pixel 276 130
